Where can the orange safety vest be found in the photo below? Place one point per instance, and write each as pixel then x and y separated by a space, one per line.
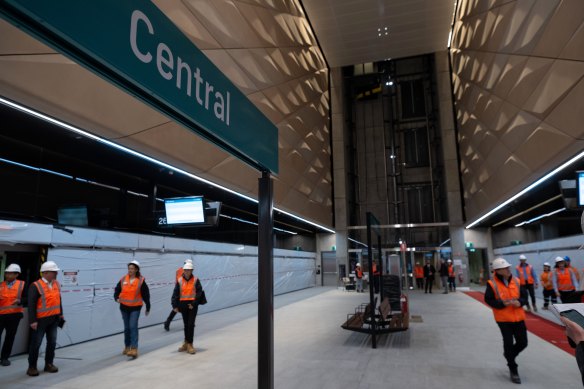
pixel 575 271
pixel 546 280
pixel 506 293
pixel 131 294
pixel 375 272
pixel 187 289
pixel 179 273
pixel 8 296
pixel 527 270
pixel 49 302
pixel 451 272
pixel 565 280
pixel 419 271
pixel 359 273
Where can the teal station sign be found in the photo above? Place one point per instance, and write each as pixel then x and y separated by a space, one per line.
pixel 133 44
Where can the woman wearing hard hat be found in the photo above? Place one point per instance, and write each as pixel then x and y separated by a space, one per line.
pixel 12 296
pixel 131 293
pixel 565 283
pixel 185 299
pixel 506 297
pixel 178 274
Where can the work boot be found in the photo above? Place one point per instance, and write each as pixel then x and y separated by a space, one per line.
pixel 527 308
pixel 133 352
pixel 190 348
pixel 50 368
pixel 514 375
pixel 125 351
pixel 5 362
pixel 183 348
pixel 534 308
pixel 545 308
pixel 32 371
pixel 167 325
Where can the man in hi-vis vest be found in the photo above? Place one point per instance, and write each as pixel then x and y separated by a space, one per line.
pixel 12 296
pixel 45 314
pixel 505 295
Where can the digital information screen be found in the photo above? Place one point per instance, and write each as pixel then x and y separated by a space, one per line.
pixel 580 187
pixel 186 210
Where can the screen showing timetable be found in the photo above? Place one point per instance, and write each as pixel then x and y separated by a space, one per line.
pixel 580 187
pixel 185 210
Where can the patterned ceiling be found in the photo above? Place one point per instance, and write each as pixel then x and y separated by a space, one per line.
pixel 518 70
pixel 266 48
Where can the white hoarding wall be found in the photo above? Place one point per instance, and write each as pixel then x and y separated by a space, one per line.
pixel 92 262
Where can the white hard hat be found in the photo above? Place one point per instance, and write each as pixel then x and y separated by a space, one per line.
pixel 547 264
pixel 134 262
pixel 358 264
pixel 188 266
pixel 49 266
pixel 500 263
pixel 559 259
pixel 522 257
pixel 13 268
pixel 188 260
pixel 417 263
pixel 450 260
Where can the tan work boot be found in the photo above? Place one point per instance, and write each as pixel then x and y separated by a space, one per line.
pixel 183 348
pixel 125 352
pixel 190 348
pixel 133 352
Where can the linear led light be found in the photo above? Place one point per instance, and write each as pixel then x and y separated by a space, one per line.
pixel 443 243
pixel 526 190
pixel 255 224
pixel 528 210
pixel 145 157
pixel 540 217
pixel 356 241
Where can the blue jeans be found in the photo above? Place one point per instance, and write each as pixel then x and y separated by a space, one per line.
pixel 131 327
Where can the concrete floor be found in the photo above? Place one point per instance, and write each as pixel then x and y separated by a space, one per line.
pixel 457 345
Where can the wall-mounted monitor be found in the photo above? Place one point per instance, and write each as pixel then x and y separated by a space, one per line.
pixel 580 187
pixel 73 215
pixel 185 210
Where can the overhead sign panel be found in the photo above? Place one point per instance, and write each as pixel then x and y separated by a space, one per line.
pixel 133 44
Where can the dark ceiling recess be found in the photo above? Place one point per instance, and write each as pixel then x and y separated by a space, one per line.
pixel 33 142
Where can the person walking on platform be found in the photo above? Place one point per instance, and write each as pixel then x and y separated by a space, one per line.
pixel 565 283
pixel 451 276
pixel 572 268
pixel 172 314
pixel 527 278
pixel 429 272
pixel 132 293
pixel 376 276
pixel 419 274
pixel 506 297
pixel 444 276
pixel 45 314
pixel 358 278
pixel 548 286
pixel 185 299
pixel 12 298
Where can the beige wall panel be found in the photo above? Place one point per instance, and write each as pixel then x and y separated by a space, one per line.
pixel 511 72
pixel 519 129
pixel 560 29
pixel 223 60
pixel 533 71
pixel 569 116
pixel 16 42
pixel 535 22
pixel 575 48
pixel 545 137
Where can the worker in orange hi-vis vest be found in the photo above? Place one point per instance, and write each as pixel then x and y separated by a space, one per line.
pixel 451 276
pixel 527 278
pixel 565 283
pixel 178 275
pixel 548 286
pixel 506 297
pixel 419 274
pixel 45 314
pixel 572 268
pixel 12 296
pixel 358 278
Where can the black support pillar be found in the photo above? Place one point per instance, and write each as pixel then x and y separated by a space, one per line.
pixel 265 284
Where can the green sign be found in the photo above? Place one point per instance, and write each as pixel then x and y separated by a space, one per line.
pixel 133 44
pixel 469 245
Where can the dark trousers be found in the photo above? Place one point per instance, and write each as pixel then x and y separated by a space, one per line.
pixel 452 283
pixel 570 297
pixel 170 316
pixel 47 326
pixel 531 291
pixel 547 294
pixel 514 341
pixel 9 323
pixel 376 283
pixel 428 285
pixel 189 316
pixel 420 283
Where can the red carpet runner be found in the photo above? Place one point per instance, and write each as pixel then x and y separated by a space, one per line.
pixel 545 329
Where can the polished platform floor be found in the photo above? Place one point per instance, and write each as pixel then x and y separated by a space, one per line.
pixel 456 345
